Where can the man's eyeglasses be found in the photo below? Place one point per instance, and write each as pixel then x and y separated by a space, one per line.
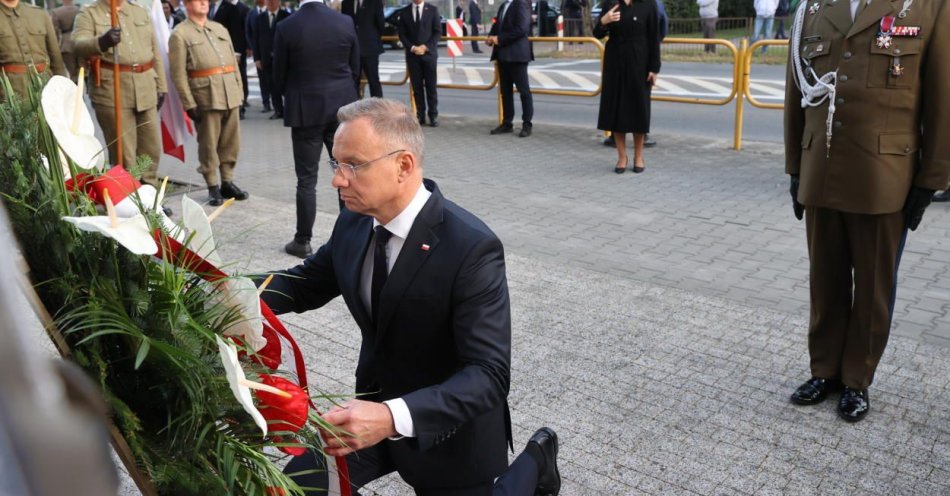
pixel 349 170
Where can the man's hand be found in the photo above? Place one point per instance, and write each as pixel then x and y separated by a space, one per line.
pixel 110 39
pixel 798 208
pixel 491 41
pixel 917 201
pixel 194 114
pixel 259 64
pixel 365 423
pixel 651 79
pixel 160 101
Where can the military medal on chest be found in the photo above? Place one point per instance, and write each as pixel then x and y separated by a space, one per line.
pixel 813 8
pixel 884 39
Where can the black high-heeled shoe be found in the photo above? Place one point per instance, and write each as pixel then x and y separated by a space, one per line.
pixel 620 170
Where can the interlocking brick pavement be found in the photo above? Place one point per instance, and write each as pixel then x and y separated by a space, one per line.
pixel 659 319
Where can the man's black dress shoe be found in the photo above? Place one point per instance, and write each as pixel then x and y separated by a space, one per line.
pixel 549 479
pixel 167 211
pixel 214 196
pixel 299 250
pixel 854 404
pixel 231 190
pixel 422 121
pixel 502 129
pixel 814 391
pixel 241 113
pixel 648 143
pixel 277 115
pixel 525 131
pixel 942 197
pixel 609 141
pixel 434 121
pixel 266 109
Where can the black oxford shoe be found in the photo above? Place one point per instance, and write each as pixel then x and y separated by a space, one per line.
pixel 297 249
pixel 549 479
pixel 502 129
pixel 525 131
pixel 942 197
pixel 231 190
pixel 214 196
pixel 854 404
pixel 814 391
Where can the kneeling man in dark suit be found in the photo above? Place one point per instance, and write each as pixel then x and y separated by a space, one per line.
pixel 425 281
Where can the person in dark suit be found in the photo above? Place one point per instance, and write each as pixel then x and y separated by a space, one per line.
pixel 510 47
pixel 262 44
pixel 317 72
pixel 232 14
pixel 425 281
pixel 419 30
pixel 573 11
pixel 369 21
pixel 249 27
pixel 474 19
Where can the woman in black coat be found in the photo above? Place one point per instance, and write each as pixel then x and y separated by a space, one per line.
pixel 631 63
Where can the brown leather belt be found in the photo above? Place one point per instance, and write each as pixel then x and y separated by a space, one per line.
pixel 22 68
pixel 137 68
pixel 228 69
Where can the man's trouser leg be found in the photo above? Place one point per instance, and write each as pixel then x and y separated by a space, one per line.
pixel 416 75
pixel 370 67
pixel 519 75
pixel 149 141
pixel 507 93
pixel 140 136
pixel 432 93
pixel 474 42
pixel 229 143
pixel 209 134
pixel 265 82
pixel 364 467
pixel 851 315
pixel 308 142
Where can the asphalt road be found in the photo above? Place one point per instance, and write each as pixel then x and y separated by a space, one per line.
pixel 706 121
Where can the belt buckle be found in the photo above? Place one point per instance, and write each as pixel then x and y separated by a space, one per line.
pixel 135 67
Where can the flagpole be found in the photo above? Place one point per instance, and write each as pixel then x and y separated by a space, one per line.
pixel 116 83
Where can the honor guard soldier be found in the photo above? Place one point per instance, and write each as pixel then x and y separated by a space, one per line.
pixel 63 19
pixel 142 78
pixel 204 71
pixel 27 40
pixel 867 115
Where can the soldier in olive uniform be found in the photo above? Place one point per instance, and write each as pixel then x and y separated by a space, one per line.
pixel 204 70
pixel 63 19
pixel 27 40
pixel 867 116
pixel 142 83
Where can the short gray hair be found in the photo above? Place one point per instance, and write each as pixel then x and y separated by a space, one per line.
pixel 391 120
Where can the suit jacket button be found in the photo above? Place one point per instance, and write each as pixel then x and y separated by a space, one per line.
pixel 847 55
pixel 838 124
pixel 843 77
pixel 839 101
pixel 897 51
pixel 906 149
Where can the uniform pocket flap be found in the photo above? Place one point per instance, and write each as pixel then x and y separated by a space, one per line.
pixel 200 82
pixel 816 49
pixel 806 141
pixel 898 144
pixel 898 47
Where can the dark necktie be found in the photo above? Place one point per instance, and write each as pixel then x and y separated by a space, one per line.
pixel 270 23
pixel 418 11
pixel 380 267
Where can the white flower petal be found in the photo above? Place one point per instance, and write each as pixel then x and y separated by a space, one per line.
pixel 59 107
pixel 235 374
pixel 195 220
pixel 131 233
pixel 241 292
pixel 129 206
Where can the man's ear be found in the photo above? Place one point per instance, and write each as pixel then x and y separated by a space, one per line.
pixel 408 164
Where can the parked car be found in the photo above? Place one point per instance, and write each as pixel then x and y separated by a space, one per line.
pixel 391 14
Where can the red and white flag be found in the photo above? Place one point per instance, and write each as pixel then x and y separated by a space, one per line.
pixel 176 126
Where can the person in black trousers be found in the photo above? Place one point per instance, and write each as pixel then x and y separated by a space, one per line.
pixel 317 72
pixel 233 15
pixel 369 22
pixel 420 31
pixel 510 47
pixel 262 43
pixel 474 19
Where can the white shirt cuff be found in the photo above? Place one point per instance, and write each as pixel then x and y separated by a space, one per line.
pixel 402 420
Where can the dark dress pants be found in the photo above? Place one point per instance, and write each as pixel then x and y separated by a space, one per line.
pixel 242 66
pixel 515 73
pixel 369 65
pixel 422 76
pixel 266 76
pixel 308 142
pixel 475 33
pixel 277 99
pixel 853 280
pixel 365 466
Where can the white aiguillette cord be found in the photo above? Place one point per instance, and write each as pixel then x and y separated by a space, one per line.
pixel 825 86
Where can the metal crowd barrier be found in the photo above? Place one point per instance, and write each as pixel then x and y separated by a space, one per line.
pixel 739 91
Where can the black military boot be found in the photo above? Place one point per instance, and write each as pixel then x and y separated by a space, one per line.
pixel 214 196
pixel 231 190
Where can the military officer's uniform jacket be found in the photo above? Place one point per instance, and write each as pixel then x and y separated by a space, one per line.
pixel 63 20
pixel 203 66
pixel 140 85
pixel 891 126
pixel 27 38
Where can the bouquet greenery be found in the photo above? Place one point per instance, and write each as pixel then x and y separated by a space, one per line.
pixel 150 332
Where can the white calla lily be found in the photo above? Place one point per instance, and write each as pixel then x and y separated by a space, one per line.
pixel 129 206
pixel 239 383
pixel 132 233
pixel 71 124
pixel 196 221
pixel 242 293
